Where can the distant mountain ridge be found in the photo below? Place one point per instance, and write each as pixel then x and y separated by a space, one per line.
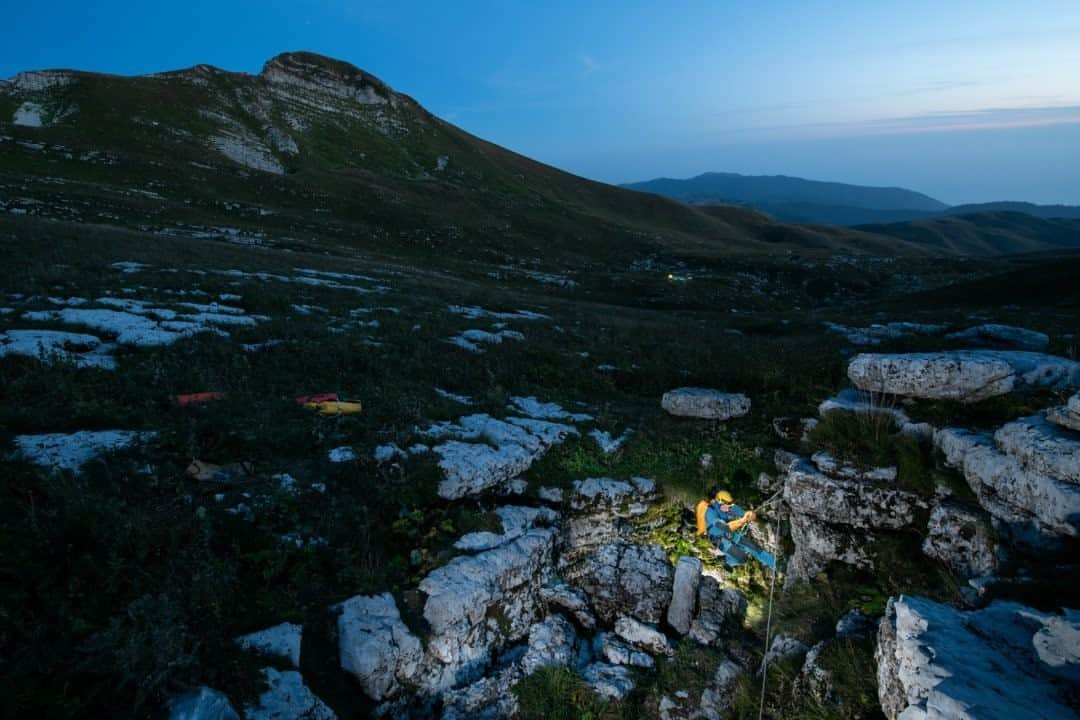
pixel 792 199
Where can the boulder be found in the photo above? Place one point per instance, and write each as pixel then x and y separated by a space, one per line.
pixel 482 453
pixel 962 538
pixel 1015 494
pixel 782 647
pixel 613 682
pixel 623 578
pixel 489 698
pixel 551 642
pixel 477 604
pixel 939 663
pixel 610 648
pixel 516 521
pixel 684 594
pixel 1067 415
pixel 705 404
pixel 643 636
pixel 1042 447
pixel 964 375
pixel 571 600
pixel 829 465
pixel 818 543
pixel 994 335
pixel 856 503
pixel 287 697
pixel 717 699
pixel 281 640
pixel 955 443
pixel 202 703
pixel 375 646
pixel 855 624
pixel 601 508
pixel 718 609
pixel 852 400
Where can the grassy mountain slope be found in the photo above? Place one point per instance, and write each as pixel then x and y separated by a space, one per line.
pixel 992 233
pixel 315 148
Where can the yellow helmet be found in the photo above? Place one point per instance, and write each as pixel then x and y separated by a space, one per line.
pixel 725 497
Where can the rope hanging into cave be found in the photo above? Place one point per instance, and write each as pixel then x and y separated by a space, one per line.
pixel 768 621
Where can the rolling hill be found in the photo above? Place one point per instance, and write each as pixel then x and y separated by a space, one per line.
pixel 315 153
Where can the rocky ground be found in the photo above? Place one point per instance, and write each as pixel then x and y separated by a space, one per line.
pixel 506 528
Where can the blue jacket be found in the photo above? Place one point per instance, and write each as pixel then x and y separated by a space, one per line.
pixel 716 519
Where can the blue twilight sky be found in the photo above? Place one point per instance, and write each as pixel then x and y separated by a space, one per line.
pixel 964 100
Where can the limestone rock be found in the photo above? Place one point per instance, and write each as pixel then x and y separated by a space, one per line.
pixel 608 647
pixel 684 594
pixel 478 603
pixel 516 521
pixel 489 698
pixel 705 404
pixel 852 400
pixel 1042 447
pixel 955 443
pixel 829 465
pixel 551 642
pixel 849 502
pixel 375 646
pixel 816 679
pixel 782 647
pixel 572 600
pixel 938 663
pixel 623 578
pixel 644 636
pixel 613 682
pixel 281 640
pixel 287 698
pixel 482 453
pixel 965 375
pixel 854 624
pixel 1067 415
pixel 818 543
pixel 717 699
pixel 602 507
pixel 994 335
pixel 202 703
pixel 963 539
pixel 718 608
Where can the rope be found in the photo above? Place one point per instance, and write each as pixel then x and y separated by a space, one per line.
pixel 768 621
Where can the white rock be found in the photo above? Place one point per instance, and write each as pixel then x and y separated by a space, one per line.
pixel 29 114
pixel 551 642
pixel 610 681
pixel 963 539
pixel 851 400
pixel 607 443
pixel 964 375
pixel 550 494
pixel 993 335
pixel 487 453
pixel 341 454
pixel 388 452
pixel 626 497
pixel 477 603
pixel 460 399
pixel 81 349
pixel 718 609
pixel 545 411
pixel 70 451
pixel 955 443
pixel 817 544
pixel 876 334
pixel 684 594
pixel 288 698
pixel 572 600
pixel 375 646
pixel 516 521
pixel 281 640
pixel 849 502
pixel 1042 447
pixel 784 646
pixel 644 636
pixel 704 403
pixel 937 663
pixel 829 465
pixel 624 578
pixel 1067 415
pixel 202 703
pixel 618 652
pixel 717 699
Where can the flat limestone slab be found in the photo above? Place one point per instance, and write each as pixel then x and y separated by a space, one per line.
pixel 705 404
